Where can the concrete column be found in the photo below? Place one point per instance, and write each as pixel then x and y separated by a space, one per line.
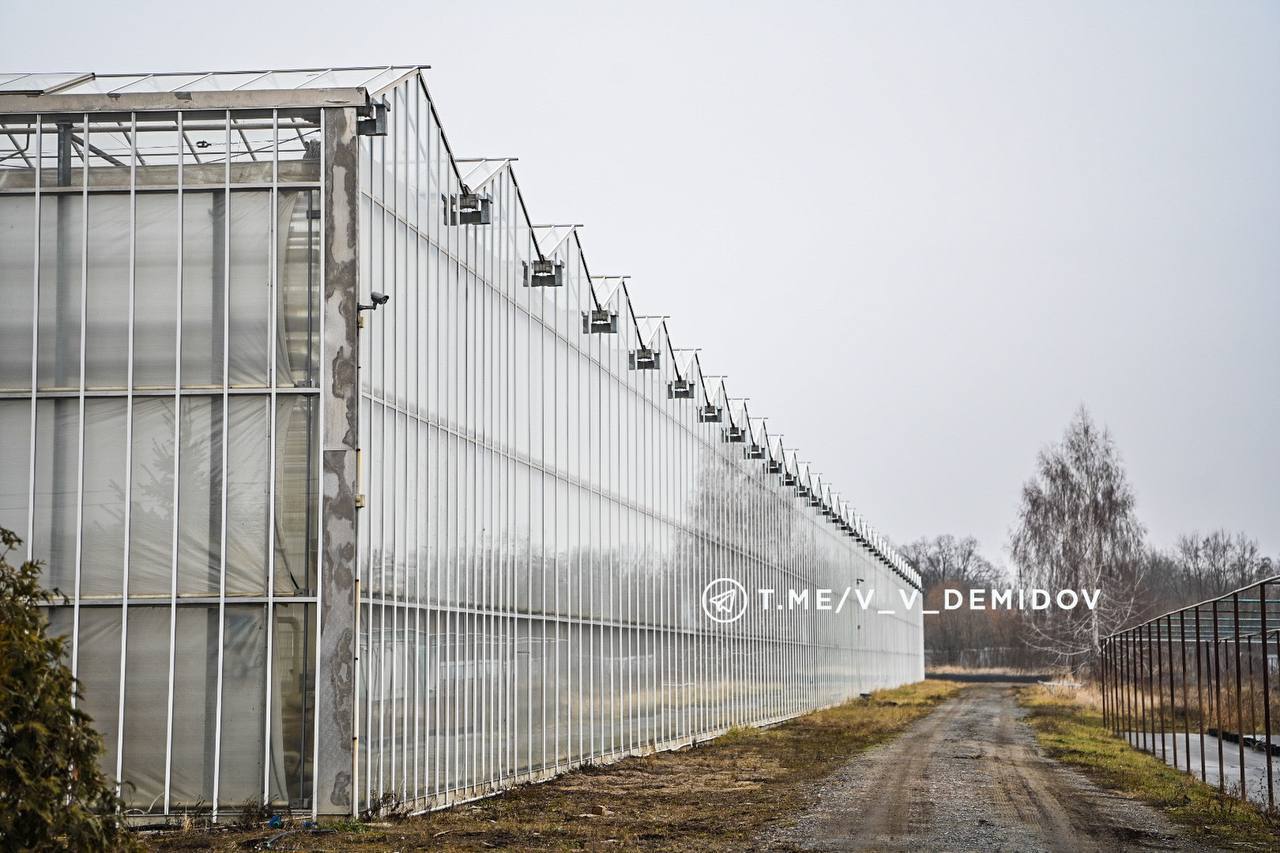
pixel 335 679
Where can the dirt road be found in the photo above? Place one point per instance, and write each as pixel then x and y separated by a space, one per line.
pixel 970 777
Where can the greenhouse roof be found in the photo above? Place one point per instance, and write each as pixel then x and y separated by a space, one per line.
pixel 371 78
pixel 89 92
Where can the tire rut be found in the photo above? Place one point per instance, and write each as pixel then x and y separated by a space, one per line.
pixel 970 777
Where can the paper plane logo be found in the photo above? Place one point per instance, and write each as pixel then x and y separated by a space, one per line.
pixel 724 600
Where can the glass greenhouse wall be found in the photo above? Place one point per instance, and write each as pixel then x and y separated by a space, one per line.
pixel 316 556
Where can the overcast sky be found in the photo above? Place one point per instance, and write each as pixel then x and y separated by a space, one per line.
pixel 917 235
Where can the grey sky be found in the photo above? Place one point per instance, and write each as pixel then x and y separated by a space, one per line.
pixel 917 235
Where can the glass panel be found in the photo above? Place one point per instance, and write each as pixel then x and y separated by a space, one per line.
pixel 298 277
pixel 155 290
pixel 248 481
pixel 106 362
pixel 204 216
pixel 293 709
pixel 15 460
pixel 99 675
pixel 204 152
pixel 146 703
pixel 61 272
pixel 110 152
pixel 250 287
pixel 200 497
pixel 57 459
pixel 151 497
pixel 102 539
pixel 17 259
pixel 295 496
pixel 244 687
pixel 195 704
pixel 299 145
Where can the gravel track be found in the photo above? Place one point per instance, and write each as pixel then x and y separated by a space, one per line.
pixel 970 777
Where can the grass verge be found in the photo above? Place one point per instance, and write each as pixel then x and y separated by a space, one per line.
pixel 1069 728
pixel 715 796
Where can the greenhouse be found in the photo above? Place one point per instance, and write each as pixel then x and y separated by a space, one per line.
pixel 356 485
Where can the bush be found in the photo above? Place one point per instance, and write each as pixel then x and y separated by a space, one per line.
pixel 53 796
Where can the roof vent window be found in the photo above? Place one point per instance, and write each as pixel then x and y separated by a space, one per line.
pixel 544 272
pixel 374 122
pixel 600 321
pixel 468 208
pixel 643 359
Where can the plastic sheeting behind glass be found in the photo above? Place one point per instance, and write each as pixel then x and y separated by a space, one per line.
pixel 142 254
pixel 17 284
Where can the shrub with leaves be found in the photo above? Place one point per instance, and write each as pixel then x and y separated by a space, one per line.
pixel 53 796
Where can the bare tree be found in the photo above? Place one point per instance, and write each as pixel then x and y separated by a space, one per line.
pixel 1077 530
pixel 1201 567
pixel 951 559
pixel 963 637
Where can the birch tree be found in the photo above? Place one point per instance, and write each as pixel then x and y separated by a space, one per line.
pixel 1077 529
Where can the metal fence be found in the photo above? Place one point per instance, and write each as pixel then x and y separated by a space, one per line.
pixel 1195 687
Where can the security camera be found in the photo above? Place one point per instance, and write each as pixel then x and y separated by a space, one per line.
pixel 378 299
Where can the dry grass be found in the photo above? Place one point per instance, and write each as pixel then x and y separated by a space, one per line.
pixel 1085 695
pixel 716 796
pixel 1068 725
pixel 956 669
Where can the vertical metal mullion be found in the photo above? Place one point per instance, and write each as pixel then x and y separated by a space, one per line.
pixel 222 521
pixel 363 429
pixel 430 471
pixel 554 467
pixel 273 339
pixel 390 527
pixel 177 453
pixel 128 427
pixel 79 532
pixel 319 426
pixel 35 377
pixel 412 91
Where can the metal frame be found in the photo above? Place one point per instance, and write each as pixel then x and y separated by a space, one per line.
pixel 512 617
pixel 1140 685
pixel 536 608
pixel 122 701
